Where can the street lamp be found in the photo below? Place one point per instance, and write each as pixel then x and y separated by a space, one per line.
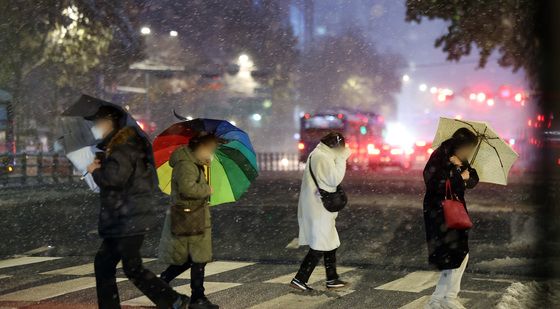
pixel 145 30
pixel 243 58
pixel 256 117
pixel 405 78
pixel 173 33
pixel 423 87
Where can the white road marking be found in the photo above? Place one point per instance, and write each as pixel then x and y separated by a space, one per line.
pixel 25 260
pixel 39 250
pixel 4 276
pixel 494 280
pixel 294 244
pixel 209 288
pixel 415 282
pixel 422 301
pixel 317 275
pixel 81 270
pixel 487 293
pixel 417 303
pixel 297 300
pixel 51 290
pixel 216 268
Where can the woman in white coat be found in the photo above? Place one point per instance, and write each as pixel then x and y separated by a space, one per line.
pixel 316 224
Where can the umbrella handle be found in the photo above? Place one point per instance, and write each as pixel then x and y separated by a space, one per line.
pixel 480 138
pixel 476 151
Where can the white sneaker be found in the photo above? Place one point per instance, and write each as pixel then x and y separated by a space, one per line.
pixel 452 303
pixel 434 304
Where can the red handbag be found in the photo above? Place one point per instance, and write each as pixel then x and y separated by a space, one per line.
pixel 454 211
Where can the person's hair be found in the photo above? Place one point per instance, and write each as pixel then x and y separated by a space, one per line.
pixel 463 137
pixel 333 140
pixel 109 113
pixel 202 138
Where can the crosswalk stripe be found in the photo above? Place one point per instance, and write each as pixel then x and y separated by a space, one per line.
pixel 415 282
pixel 81 270
pixel 494 280
pixel 51 290
pixel 419 303
pixel 294 244
pixel 209 288
pixel 217 267
pixel 24 260
pixel 317 275
pixel 298 300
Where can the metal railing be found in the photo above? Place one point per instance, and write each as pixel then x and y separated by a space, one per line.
pixel 276 162
pixel 37 168
pixel 52 168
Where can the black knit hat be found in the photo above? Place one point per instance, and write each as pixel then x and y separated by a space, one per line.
pixel 106 112
pixel 333 140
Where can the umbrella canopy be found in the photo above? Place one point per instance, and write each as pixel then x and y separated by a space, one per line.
pixel 232 170
pixel 78 140
pixel 76 133
pixel 492 158
pixel 87 106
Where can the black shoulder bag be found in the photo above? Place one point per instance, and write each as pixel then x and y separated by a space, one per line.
pixel 332 201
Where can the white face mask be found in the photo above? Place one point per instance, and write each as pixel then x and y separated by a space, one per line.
pixel 97 132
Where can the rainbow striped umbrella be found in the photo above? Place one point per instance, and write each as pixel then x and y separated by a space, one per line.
pixel 232 170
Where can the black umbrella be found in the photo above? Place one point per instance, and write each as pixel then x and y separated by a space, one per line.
pixel 86 107
pixel 76 132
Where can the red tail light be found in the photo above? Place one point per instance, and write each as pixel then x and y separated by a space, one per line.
pixel 372 150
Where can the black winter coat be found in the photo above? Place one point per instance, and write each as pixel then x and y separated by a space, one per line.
pixel 446 247
pixel 127 181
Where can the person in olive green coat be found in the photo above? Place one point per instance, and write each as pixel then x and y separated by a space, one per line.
pixel 186 240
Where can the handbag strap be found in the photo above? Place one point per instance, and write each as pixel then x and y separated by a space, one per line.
pixel 311 172
pixel 448 189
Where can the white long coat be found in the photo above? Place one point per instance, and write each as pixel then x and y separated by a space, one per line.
pixel 316 224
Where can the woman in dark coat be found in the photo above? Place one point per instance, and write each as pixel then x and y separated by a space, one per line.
pixel 448 248
pixel 127 181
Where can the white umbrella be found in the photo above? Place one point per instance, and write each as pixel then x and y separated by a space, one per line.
pixel 492 158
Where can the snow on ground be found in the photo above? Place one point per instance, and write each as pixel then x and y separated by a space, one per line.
pixel 505 262
pixel 531 295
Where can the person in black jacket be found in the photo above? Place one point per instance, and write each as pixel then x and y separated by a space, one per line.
pixel 127 180
pixel 448 249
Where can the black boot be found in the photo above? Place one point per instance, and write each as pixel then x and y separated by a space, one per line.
pixel 202 303
pixel 302 286
pixel 336 284
pixel 183 302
